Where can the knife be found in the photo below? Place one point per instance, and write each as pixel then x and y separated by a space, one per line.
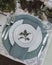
pixel 43 45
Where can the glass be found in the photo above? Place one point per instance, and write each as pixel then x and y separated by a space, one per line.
pixel 10 18
pixel 47 25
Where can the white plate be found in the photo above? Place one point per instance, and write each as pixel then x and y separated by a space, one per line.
pixel 16 24
pixel 35 36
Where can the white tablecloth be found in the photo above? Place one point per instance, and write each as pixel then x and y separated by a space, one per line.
pixel 4 52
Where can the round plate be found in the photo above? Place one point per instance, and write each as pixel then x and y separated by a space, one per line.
pixel 31 38
pixel 30 28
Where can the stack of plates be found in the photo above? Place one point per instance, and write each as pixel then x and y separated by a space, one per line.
pixel 25 38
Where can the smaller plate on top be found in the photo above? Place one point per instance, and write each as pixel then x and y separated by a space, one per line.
pixel 25 35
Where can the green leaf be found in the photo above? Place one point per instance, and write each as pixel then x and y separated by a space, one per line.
pixel 21 33
pixel 25 31
pixel 27 39
pixel 25 34
pixel 28 34
pixel 20 38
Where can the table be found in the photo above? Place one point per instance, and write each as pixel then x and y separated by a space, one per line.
pixel 46 61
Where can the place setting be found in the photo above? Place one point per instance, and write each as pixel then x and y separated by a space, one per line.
pixel 24 37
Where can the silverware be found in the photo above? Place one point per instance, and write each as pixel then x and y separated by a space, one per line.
pixel 43 45
pixel 5 30
pixel 4 33
pixel 8 24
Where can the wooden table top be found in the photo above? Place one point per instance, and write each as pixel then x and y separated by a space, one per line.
pixel 6 61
